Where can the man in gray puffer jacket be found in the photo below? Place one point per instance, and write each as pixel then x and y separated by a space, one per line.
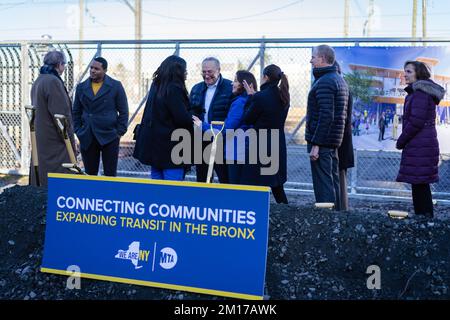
pixel 325 123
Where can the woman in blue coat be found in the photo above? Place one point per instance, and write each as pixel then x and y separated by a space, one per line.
pixel 165 112
pixel 268 109
pixel 235 143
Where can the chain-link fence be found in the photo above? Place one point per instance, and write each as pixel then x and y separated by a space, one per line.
pixel 375 172
pixel 10 110
pixel 133 63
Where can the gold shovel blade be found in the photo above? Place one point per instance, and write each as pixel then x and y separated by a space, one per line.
pixel 397 214
pixel 324 205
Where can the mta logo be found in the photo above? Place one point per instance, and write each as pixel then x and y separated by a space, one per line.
pixel 168 258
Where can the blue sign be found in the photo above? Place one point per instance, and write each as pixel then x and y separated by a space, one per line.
pixel 205 238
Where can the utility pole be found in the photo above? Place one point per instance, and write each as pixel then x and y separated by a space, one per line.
pixel 138 36
pixel 137 11
pixel 368 22
pixel 371 12
pixel 414 20
pixel 346 17
pixel 424 20
pixel 81 37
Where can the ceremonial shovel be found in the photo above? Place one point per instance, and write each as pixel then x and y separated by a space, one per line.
pixel 31 114
pixel 61 125
pixel 212 156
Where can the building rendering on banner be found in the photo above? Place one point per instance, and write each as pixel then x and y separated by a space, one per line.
pixel 388 85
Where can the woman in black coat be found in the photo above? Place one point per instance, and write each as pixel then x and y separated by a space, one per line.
pixel 345 154
pixel 165 112
pixel 345 150
pixel 268 109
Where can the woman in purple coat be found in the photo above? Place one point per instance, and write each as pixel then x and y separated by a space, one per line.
pixel 420 155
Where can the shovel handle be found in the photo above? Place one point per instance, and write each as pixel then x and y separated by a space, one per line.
pixel 70 151
pixel 31 113
pixel 212 156
pixel 34 154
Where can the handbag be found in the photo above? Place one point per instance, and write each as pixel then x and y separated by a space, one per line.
pixel 142 134
pixel 141 147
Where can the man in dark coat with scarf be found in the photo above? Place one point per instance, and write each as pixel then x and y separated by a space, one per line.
pixel 49 97
pixel 418 140
pixel 325 123
pixel 210 100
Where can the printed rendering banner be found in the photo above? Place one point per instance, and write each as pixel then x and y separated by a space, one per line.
pixel 376 78
pixel 205 238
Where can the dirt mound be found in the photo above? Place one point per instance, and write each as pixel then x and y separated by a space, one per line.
pixel 313 254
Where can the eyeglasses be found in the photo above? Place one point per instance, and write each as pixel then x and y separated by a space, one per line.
pixel 209 71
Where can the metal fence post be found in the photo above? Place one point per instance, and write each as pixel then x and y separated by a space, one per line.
pixel 262 51
pixel 24 100
pixel 98 53
pixel 99 50
pixel 177 49
pixel 354 173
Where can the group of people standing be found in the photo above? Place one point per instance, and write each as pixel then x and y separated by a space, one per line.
pixel 99 117
pixel 329 133
pixel 236 103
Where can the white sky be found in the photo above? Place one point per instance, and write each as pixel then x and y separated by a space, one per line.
pixel 177 19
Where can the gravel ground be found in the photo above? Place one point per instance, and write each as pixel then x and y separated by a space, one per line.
pixel 313 254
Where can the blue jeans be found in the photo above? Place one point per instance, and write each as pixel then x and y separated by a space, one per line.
pixel 167 174
pixel 325 176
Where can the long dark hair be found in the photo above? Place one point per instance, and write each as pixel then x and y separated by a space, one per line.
pixel 422 70
pixel 242 75
pixel 171 70
pixel 274 73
